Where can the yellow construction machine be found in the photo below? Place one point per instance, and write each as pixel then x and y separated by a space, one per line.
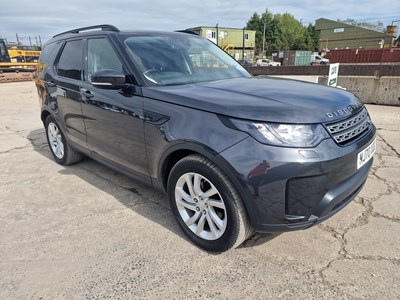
pixel 17 63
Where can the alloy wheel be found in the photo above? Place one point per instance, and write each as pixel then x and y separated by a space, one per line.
pixel 201 206
pixel 55 140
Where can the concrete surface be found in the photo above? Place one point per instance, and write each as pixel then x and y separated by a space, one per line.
pixel 306 78
pixel 370 89
pixel 87 232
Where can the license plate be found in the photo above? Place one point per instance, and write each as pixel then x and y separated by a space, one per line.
pixel 364 156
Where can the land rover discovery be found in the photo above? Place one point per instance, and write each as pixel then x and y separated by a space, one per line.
pixel 234 153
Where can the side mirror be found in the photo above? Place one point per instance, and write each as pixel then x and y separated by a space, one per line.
pixel 109 79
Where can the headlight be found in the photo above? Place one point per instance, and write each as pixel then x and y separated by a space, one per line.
pixel 291 135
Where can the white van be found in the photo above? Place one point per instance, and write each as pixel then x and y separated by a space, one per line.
pixel 267 62
pixel 319 60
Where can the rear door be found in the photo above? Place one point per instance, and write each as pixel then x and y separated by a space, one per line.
pixel 67 82
pixel 113 118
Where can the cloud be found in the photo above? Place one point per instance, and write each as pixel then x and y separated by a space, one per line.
pixel 47 18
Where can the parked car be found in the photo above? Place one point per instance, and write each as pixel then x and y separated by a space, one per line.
pixel 267 62
pixel 319 60
pixel 234 153
pixel 247 63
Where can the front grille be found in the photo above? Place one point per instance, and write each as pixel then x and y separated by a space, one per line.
pixel 350 128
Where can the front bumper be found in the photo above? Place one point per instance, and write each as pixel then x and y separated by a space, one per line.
pixel 288 189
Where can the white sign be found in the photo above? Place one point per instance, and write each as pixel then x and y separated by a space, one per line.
pixel 338 30
pixel 333 74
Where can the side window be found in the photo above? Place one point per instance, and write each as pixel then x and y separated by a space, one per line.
pixel 70 64
pixel 101 55
pixel 4 57
pixel 46 52
pixel 3 51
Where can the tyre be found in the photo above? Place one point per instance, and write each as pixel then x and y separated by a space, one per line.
pixel 206 205
pixel 59 147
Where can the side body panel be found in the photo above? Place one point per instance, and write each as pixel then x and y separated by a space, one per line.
pixel 114 126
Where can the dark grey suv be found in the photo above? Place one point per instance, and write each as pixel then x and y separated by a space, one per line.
pixel 235 154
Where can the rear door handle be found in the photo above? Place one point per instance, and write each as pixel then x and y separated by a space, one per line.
pixel 87 94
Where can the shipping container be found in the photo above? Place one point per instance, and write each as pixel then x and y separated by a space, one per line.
pixel 296 58
pixel 302 58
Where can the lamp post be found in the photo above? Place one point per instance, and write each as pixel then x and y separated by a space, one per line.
pixel 243 43
pixel 263 48
pixel 216 26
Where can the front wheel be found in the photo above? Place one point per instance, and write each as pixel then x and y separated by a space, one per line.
pixel 206 205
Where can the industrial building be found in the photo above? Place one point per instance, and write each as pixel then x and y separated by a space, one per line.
pixel 239 43
pixel 336 35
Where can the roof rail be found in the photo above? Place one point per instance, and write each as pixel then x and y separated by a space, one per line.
pixel 187 31
pixel 104 27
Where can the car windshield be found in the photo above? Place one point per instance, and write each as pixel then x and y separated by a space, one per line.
pixel 176 59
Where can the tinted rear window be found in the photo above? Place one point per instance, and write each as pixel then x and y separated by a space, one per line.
pixel 46 52
pixel 70 62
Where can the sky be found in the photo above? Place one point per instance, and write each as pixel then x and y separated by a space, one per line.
pixel 46 18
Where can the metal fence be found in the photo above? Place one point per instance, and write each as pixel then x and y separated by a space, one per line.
pixel 387 56
pixel 365 56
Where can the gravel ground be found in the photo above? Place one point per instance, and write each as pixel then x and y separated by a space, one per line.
pixel 85 231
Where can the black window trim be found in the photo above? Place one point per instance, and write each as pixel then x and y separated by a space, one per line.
pixel 133 74
pixel 122 56
pixel 57 59
pixel 86 53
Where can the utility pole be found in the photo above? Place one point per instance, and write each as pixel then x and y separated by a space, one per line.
pixel 263 49
pixel 216 26
pixel 243 44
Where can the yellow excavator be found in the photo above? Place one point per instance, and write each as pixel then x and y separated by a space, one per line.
pixel 17 63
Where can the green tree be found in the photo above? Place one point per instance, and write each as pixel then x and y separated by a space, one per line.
pixel 282 32
pixel 254 24
pixel 312 38
pixel 291 32
pixel 272 33
pixel 257 23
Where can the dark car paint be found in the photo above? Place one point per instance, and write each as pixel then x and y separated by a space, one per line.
pixel 331 168
pixel 259 99
pixel 138 130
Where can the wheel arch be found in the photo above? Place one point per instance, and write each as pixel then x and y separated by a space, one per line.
pixel 178 151
pixel 43 116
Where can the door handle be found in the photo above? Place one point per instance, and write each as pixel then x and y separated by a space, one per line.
pixel 87 94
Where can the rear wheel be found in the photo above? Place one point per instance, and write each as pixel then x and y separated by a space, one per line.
pixel 206 205
pixel 59 147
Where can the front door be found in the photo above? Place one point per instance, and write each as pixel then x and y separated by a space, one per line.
pixel 113 118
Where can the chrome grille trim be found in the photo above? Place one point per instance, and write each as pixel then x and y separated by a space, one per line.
pixel 350 128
